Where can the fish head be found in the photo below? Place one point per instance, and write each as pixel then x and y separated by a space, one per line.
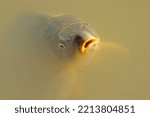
pixel 74 39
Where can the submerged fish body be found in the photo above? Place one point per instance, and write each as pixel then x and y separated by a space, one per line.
pixel 41 51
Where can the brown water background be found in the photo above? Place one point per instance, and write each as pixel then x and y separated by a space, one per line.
pixel 122 67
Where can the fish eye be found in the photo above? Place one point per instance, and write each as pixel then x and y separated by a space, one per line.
pixel 62 45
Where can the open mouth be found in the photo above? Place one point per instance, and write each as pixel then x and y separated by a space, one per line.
pixel 88 44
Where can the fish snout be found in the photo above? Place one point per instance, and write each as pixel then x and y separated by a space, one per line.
pixel 88 42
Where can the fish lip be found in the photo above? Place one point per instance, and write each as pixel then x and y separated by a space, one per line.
pixel 87 44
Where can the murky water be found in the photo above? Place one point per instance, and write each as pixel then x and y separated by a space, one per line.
pixel 119 69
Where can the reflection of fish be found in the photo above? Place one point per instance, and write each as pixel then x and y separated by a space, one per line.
pixel 39 47
pixel 109 50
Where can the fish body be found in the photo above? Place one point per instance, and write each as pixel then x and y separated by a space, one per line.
pixel 40 55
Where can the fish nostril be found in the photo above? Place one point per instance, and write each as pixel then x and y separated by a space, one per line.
pixel 78 39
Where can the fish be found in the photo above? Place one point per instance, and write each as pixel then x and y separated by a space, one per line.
pixel 44 54
pixel 66 36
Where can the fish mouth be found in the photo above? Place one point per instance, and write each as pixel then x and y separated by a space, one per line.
pixel 88 44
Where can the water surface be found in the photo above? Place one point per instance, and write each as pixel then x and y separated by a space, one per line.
pixel 120 69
